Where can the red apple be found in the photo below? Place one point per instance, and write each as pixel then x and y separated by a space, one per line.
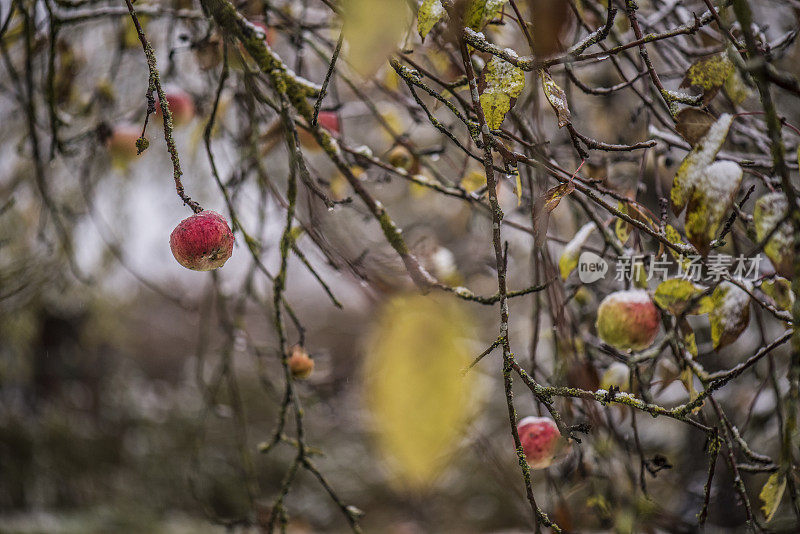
pixel 541 441
pixel 181 105
pixel 628 320
pixel 202 242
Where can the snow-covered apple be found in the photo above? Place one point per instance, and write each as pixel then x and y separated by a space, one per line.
pixel 628 320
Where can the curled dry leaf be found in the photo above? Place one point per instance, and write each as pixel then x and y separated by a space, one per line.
pixel 545 204
pixel 557 98
pixel 693 124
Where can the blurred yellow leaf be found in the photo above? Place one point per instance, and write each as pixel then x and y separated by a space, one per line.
pixel 372 35
pixel 473 181
pixel 572 250
pixel 414 387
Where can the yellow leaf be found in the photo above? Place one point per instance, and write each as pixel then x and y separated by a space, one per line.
pixel 709 74
pixel 771 494
pixel 414 388
pixel 730 314
pixel 430 12
pixel 372 38
pixel 780 291
pixel 622 228
pixel 710 202
pixel 495 106
pixel 480 12
pixel 694 164
pixel 769 211
pixel 675 294
pixel 501 83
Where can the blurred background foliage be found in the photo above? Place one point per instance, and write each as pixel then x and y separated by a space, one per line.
pixel 136 396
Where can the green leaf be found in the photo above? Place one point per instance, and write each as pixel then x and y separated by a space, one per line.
pixel 709 74
pixel 572 250
pixel 729 314
pixel 480 12
pixel 419 400
pixel 557 98
pixel 694 164
pixel 771 494
pixel 430 12
pixel 769 211
pixel 500 83
pixel 675 295
pixel 710 202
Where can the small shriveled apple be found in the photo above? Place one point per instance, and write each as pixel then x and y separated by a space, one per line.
pixel 541 441
pixel 121 143
pixel 402 158
pixel 202 242
pixel 181 105
pixel 300 363
pixel 628 320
